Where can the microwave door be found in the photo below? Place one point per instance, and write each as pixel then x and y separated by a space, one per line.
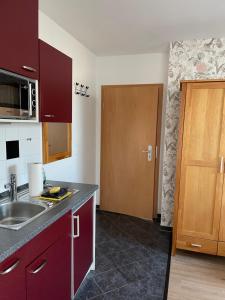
pixel 24 99
pixel 9 100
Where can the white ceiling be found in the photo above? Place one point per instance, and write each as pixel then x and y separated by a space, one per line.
pixel 114 27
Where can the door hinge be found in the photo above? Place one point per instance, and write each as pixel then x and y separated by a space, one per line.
pixel 156 152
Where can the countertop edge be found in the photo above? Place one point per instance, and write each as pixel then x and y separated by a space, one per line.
pixel 70 206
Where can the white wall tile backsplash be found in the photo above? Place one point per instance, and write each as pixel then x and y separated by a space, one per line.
pixel 30 150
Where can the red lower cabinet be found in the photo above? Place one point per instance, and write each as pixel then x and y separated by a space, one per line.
pixel 41 269
pixel 12 278
pixel 82 242
pixel 48 277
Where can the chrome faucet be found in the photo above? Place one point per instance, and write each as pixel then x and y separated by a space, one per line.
pixel 12 186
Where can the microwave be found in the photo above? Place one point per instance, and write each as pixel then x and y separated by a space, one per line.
pixel 18 98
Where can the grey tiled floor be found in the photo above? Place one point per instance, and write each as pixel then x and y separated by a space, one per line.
pixel 131 260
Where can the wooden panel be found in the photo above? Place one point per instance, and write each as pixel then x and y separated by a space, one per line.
pixel 196 277
pixel 178 166
pixel 201 183
pixel 197 245
pixel 221 249
pixel 51 133
pixel 129 125
pixel 203 125
pixel 158 144
pixel 222 219
pixel 198 206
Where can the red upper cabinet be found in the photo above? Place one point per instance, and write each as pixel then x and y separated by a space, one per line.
pixel 55 85
pixel 19 37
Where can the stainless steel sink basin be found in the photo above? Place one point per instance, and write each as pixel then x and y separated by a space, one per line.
pixel 14 215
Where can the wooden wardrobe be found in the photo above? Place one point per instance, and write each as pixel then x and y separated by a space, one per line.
pixel 199 215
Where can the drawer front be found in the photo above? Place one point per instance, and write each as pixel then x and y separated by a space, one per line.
pixel 221 249
pixel 197 245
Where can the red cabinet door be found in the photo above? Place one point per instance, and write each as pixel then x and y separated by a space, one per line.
pixel 82 242
pixel 19 37
pixel 55 85
pixel 49 276
pixel 12 277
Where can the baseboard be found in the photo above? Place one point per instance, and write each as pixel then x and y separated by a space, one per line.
pixel 165 296
pixel 157 219
pixel 166 228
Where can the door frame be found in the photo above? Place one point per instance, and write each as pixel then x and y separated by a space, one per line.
pixel 158 139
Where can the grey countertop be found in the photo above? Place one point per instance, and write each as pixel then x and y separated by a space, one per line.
pixel 12 240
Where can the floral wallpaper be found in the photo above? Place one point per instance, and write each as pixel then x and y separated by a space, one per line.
pixel 194 59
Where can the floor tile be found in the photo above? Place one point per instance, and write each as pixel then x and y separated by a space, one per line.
pixel 131 260
pixel 110 280
pixel 133 271
pixel 88 289
pixel 138 290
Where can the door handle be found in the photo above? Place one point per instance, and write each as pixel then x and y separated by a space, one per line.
pixel 222 164
pixel 11 268
pixel 149 151
pixel 39 268
pixel 49 116
pixel 27 68
pixel 77 218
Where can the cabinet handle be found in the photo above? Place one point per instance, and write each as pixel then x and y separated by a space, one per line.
pixel 27 68
pixel 77 218
pixel 196 245
pixel 222 164
pixel 11 268
pixel 49 116
pixel 39 268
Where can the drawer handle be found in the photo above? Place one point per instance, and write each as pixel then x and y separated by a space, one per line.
pixel 196 245
pixel 39 268
pixel 49 116
pixel 222 164
pixel 27 68
pixel 11 268
pixel 77 218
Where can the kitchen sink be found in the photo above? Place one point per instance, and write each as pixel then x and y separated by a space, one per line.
pixel 14 215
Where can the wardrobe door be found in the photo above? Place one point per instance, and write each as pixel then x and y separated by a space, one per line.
pixel 222 222
pixel 202 166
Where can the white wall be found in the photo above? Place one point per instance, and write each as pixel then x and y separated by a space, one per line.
pixel 128 69
pixel 81 167
pixel 29 137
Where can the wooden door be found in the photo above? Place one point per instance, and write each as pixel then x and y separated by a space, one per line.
pixel 19 37
pixel 82 242
pixel 202 169
pixel 129 126
pixel 55 85
pixel 49 276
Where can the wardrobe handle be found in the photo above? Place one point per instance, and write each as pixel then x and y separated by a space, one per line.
pixel 196 245
pixel 222 164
